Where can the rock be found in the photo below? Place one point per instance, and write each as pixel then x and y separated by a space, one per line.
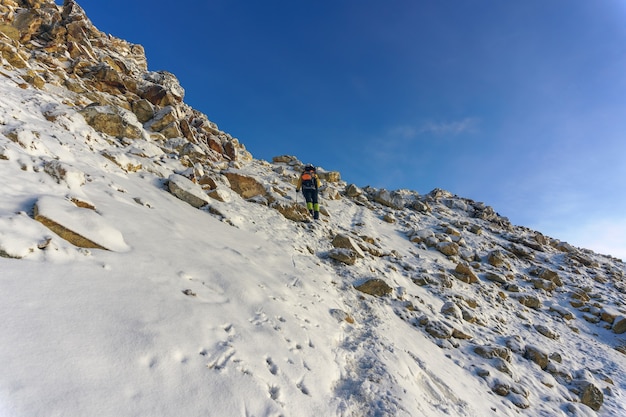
pixel 376 287
pixel 188 191
pixel 143 109
pixel 547 274
pixel 63 172
pixel 245 186
pixel 465 273
pixel 353 191
pixel 590 395
pixel 530 301
pixel 489 352
pixel 536 355
pixel 450 308
pixel 390 199
pixel 448 248
pixel 346 256
pixel 492 276
pixel 346 242
pixel 113 121
pixel 292 211
pixel 619 325
pixel 329 176
pixel 80 226
pixel 439 330
pixel 546 331
pixel 497 258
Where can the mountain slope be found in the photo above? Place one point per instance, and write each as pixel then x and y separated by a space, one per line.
pixel 195 284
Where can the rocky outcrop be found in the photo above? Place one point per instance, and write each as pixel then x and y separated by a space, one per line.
pixel 81 227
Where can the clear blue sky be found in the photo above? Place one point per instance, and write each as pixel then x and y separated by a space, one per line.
pixel 519 104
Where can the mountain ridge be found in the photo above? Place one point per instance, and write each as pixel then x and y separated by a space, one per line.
pixel 103 149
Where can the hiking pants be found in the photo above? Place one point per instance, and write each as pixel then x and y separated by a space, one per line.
pixel 312 203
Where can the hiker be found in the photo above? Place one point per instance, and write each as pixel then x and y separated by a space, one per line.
pixel 309 182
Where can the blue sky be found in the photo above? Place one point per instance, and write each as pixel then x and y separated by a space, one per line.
pixel 521 105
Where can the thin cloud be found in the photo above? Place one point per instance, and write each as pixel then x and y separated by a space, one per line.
pixel 454 128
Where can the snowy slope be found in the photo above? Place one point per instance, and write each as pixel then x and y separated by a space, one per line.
pixel 233 310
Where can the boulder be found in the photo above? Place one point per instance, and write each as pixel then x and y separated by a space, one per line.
pixel 245 186
pixel 187 190
pixel 619 325
pixel 390 199
pixel 376 287
pixel 537 355
pixel 343 255
pixel 346 242
pixel 464 272
pixel 448 248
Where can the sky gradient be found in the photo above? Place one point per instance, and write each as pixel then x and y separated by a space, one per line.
pixel 520 105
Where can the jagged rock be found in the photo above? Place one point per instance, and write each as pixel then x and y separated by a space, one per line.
pixel 143 109
pixel 448 248
pixel 376 287
pixel 489 352
pixel 347 256
pixel 497 258
pixel 346 242
pixel 589 394
pixel 461 335
pixel 544 284
pixel 80 226
pixel 220 195
pixel 353 191
pixel 619 325
pixel 464 272
pixel 419 236
pixel 562 311
pixel 420 206
pixel 530 301
pixel 547 274
pixel 329 176
pixel 186 190
pixel 439 329
pixel 546 331
pixel 292 211
pixel 286 159
pixel 389 199
pixel 245 186
pixel 492 276
pixel 450 308
pixel 537 355
pixel 579 298
pixel 113 121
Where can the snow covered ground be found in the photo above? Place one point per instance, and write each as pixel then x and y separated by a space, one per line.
pixel 233 310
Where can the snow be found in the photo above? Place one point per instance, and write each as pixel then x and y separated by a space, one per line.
pixel 232 310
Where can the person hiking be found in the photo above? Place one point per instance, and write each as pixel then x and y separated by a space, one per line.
pixel 310 183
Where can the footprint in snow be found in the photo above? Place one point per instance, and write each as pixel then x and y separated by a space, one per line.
pixel 271 366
